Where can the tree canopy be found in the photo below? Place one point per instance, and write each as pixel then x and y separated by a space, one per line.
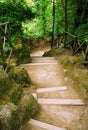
pixel 34 18
pixel 15 12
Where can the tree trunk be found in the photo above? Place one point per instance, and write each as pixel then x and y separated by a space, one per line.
pixel 66 23
pixel 53 14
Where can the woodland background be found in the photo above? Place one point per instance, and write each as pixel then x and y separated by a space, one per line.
pixel 34 18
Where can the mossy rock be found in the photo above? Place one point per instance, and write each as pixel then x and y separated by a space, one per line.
pixel 70 61
pixel 29 103
pixel 81 77
pixel 54 52
pixel 20 76
pixel 76 72
pixel 22 53
pixel 27 108
pixel 6 83
pixel 9 89
pixel 18 46
pixel 1 72
pixel 6 113
pixel 14 95
pixel 67 62
pixel 12 116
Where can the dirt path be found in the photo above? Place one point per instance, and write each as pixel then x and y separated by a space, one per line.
pixel 60 106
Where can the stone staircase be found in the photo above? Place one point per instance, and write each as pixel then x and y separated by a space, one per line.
pixel 44 60
pixel 60 107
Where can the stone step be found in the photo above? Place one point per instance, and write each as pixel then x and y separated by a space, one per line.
pixel 76 102
pixel 44 125
pixel 44 60
pixel 40 57
pixel 40 64
pixel 59 88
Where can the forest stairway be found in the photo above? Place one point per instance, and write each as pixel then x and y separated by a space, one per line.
pixel 60 107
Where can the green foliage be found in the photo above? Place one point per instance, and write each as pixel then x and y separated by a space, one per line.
pixel 81 29
pixel 18 13
pixel 86 39
pixel 41 26
pixel 15 13
pixel 32 29
pixel 81 17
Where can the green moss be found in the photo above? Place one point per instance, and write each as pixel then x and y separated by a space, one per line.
pixel 20 76
pixel 1 72
pixel 14 94
pixel 71 61
pixel 12 116
pixel 27 108
pixel 29 103
pixel 77 73
pixel 54 52
pixel 81 77
pixel 6 114
pixel 15 107
pixel 22 52
pixel 9 89
pixel 67 62
pixel 50 53
pixel 6 83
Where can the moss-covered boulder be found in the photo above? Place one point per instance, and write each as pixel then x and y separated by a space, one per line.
pixel 80 77
pixel 14 94
pixel 29 103
pixel 71 61
pixel 22 52
pixel 6 113
pixel 27 108
pixel 76 72
pixel 1 71
pixel 15 106
pixel 12 116
pixel 9 89
pixel 54 52
pixel 20 76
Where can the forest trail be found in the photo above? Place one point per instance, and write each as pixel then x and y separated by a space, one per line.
pixel 60 106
